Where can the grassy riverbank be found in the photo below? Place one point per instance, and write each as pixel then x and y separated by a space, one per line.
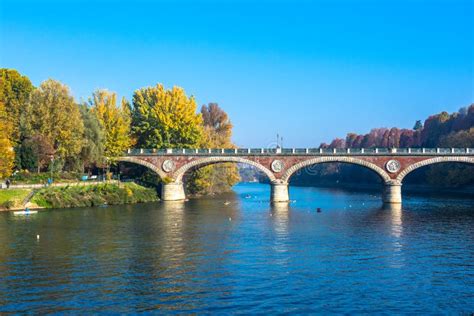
pixel 12 198
pixel 79 196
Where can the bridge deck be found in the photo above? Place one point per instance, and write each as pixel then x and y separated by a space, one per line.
pixel 305 151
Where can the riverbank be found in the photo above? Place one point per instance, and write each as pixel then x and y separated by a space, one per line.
pixel 77 196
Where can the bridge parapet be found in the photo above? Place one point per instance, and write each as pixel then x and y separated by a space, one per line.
pixel 302 151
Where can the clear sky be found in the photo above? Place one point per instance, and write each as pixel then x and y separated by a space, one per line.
pixel 309 70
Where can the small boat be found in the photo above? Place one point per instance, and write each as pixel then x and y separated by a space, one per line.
pixel 25 212
pixel 226 203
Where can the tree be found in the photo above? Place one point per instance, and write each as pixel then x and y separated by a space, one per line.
pixel 217 134
pixel 7 155
pixel 15 91
pixel 418 125
pixel 350 139
pixel 92 151
pixel 164 118
pixel 217 126
pixel 54 115
pixel 434 128
pixel 39 148
pixel 114 121
pixel 338 143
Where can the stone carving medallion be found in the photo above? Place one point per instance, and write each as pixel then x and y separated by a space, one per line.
pixel 168 166
pixel 277 165
pixel 393 166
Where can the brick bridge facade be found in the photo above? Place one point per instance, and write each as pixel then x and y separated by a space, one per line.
pixel 391 165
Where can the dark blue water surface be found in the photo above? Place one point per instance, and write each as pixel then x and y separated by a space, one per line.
pixel 243 257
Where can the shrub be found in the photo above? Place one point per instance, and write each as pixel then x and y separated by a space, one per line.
pixel 94 195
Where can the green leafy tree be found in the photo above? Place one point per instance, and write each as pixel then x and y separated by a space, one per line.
pixel 92 152
pixel 26 157
pixel 114 121
pixel 54 115
pixel 163 118
pixel 15 91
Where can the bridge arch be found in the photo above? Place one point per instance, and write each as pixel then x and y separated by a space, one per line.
pixel 144 163
pixel 432 161
pixel 214 160
pixel 290 171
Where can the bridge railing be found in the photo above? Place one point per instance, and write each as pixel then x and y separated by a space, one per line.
pixel 301 151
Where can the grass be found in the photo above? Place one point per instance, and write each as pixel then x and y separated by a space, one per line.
pixel 12 197
pixel 93 195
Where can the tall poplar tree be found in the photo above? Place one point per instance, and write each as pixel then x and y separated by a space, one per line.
pixel 53 114
pixel 114 120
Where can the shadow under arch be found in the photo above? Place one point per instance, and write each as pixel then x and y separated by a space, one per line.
pixel 199 163
pixel 347 160
pixel 144 163
pixel 433 161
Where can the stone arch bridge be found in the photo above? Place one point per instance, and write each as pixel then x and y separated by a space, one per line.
pixel 391 165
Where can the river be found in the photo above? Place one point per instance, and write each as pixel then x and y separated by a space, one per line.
pixel 235 253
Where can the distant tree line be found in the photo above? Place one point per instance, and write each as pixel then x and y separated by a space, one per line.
pixel 44 129
pixel 442 130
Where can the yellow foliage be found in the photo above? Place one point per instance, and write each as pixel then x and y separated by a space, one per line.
pixel 166 118
pixel 7 155
pixel 114 120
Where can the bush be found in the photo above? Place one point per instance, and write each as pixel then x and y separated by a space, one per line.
pixel 94 195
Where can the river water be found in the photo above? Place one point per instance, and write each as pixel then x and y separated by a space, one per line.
pixel 237 254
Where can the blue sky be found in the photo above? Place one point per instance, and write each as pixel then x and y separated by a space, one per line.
pixel 309 70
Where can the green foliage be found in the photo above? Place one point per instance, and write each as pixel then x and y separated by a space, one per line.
pixel 82 196
pixel 26 158
pixel 26 177
pixel 54 115
pixel 164 118
pixel 92 152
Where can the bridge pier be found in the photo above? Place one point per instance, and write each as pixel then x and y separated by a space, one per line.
pixel 392 193
pixel 173 191
pixel 279 192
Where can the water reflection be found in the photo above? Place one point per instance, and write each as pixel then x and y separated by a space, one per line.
pixel 395 214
